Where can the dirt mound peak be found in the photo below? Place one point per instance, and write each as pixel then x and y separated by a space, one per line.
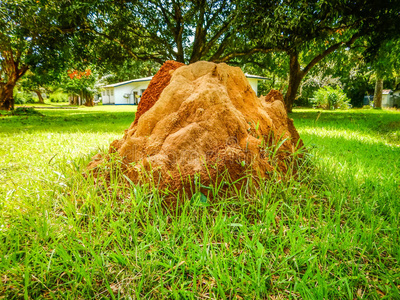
pixel 272 96
pixel 155 88
pixel 206 120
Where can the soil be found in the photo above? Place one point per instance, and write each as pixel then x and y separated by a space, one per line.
pixel 155 88
pixel 203 122
pixel 273 95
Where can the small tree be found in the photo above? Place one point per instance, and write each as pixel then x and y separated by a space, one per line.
pixel 80 85
pixel 331 98
pixel 39 82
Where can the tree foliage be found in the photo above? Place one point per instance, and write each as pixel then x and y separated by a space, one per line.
pixel 308 31
pixel 36 36
pixel 281 36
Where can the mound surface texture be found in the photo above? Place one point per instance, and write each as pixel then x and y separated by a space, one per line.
pixel 155 88
pixel 207 120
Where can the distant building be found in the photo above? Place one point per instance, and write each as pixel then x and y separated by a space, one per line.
pixel 396 97
pixel 386 98
pixel 253 80
pixel 390 98
pixel 126 92
pixel 129 92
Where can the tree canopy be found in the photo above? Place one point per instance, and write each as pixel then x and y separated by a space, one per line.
pixel 43 35
pixel 34 36
pixel 308 31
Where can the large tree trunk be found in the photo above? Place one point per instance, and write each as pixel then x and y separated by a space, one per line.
pixel 295 77
pixel 6 96
pixel 14 72
pixel 89 100
pixel 73 100
pixel 39 94
pixel 378 93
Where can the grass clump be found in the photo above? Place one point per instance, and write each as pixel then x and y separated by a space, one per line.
pixel 331 232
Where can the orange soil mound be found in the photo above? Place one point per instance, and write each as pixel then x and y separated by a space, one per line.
pixel 155 88
pixel 207 119
pixel 274 95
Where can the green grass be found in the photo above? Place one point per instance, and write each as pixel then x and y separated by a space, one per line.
pixel 331 233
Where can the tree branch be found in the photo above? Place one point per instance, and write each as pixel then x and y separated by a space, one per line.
pixel 328 51
pixel 217 35
pixel 244 53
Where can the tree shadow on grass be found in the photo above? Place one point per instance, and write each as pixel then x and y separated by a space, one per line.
pixel 375 123
pixel 362 174
pixel 69 121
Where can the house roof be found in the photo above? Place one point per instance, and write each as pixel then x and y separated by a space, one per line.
pixel 386 92
pixel 255 76
pixel 149 78
pixel 128 82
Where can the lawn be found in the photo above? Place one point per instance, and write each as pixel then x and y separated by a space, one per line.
pixel 331 233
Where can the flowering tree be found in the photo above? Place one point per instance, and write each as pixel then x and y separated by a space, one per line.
pixel 81 85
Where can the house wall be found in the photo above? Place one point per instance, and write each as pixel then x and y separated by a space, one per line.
pixel 386 100
pixel 254 84
pixel 115 95
pixel 396 98
pixel 128 89
pixel 107 95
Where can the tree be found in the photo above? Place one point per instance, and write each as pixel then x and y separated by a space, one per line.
pixel 226 30
pixel 35 35
pixel 81 85
pixel 309 31
pixel 385 62
pixel 128 69
pixel 157 30
pixel 39 81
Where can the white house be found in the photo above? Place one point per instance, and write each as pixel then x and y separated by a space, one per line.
pixel 129 92
pixel 126 92
pixel 253 80
pixel 396 97
pixel 386 98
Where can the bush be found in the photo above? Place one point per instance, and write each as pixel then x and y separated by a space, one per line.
pixel 22 97
pixel 367 107
pixel 303 102
pixel 58 97
pixel 331 98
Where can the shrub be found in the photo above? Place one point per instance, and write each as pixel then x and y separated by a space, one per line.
pixel 22 97
pixel 331 98
pixel 58 97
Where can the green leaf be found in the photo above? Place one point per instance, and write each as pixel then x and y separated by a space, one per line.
pixel 198 198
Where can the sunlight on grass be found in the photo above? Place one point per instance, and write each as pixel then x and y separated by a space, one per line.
pixel 30 157
pixel 349 135
pixel 331 232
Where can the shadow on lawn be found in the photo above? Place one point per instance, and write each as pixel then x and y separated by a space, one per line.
pixel 377 124
pixel 69 121
pixel 355 145
pixel 378 121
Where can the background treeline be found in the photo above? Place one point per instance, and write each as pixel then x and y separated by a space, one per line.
pixel 301 46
